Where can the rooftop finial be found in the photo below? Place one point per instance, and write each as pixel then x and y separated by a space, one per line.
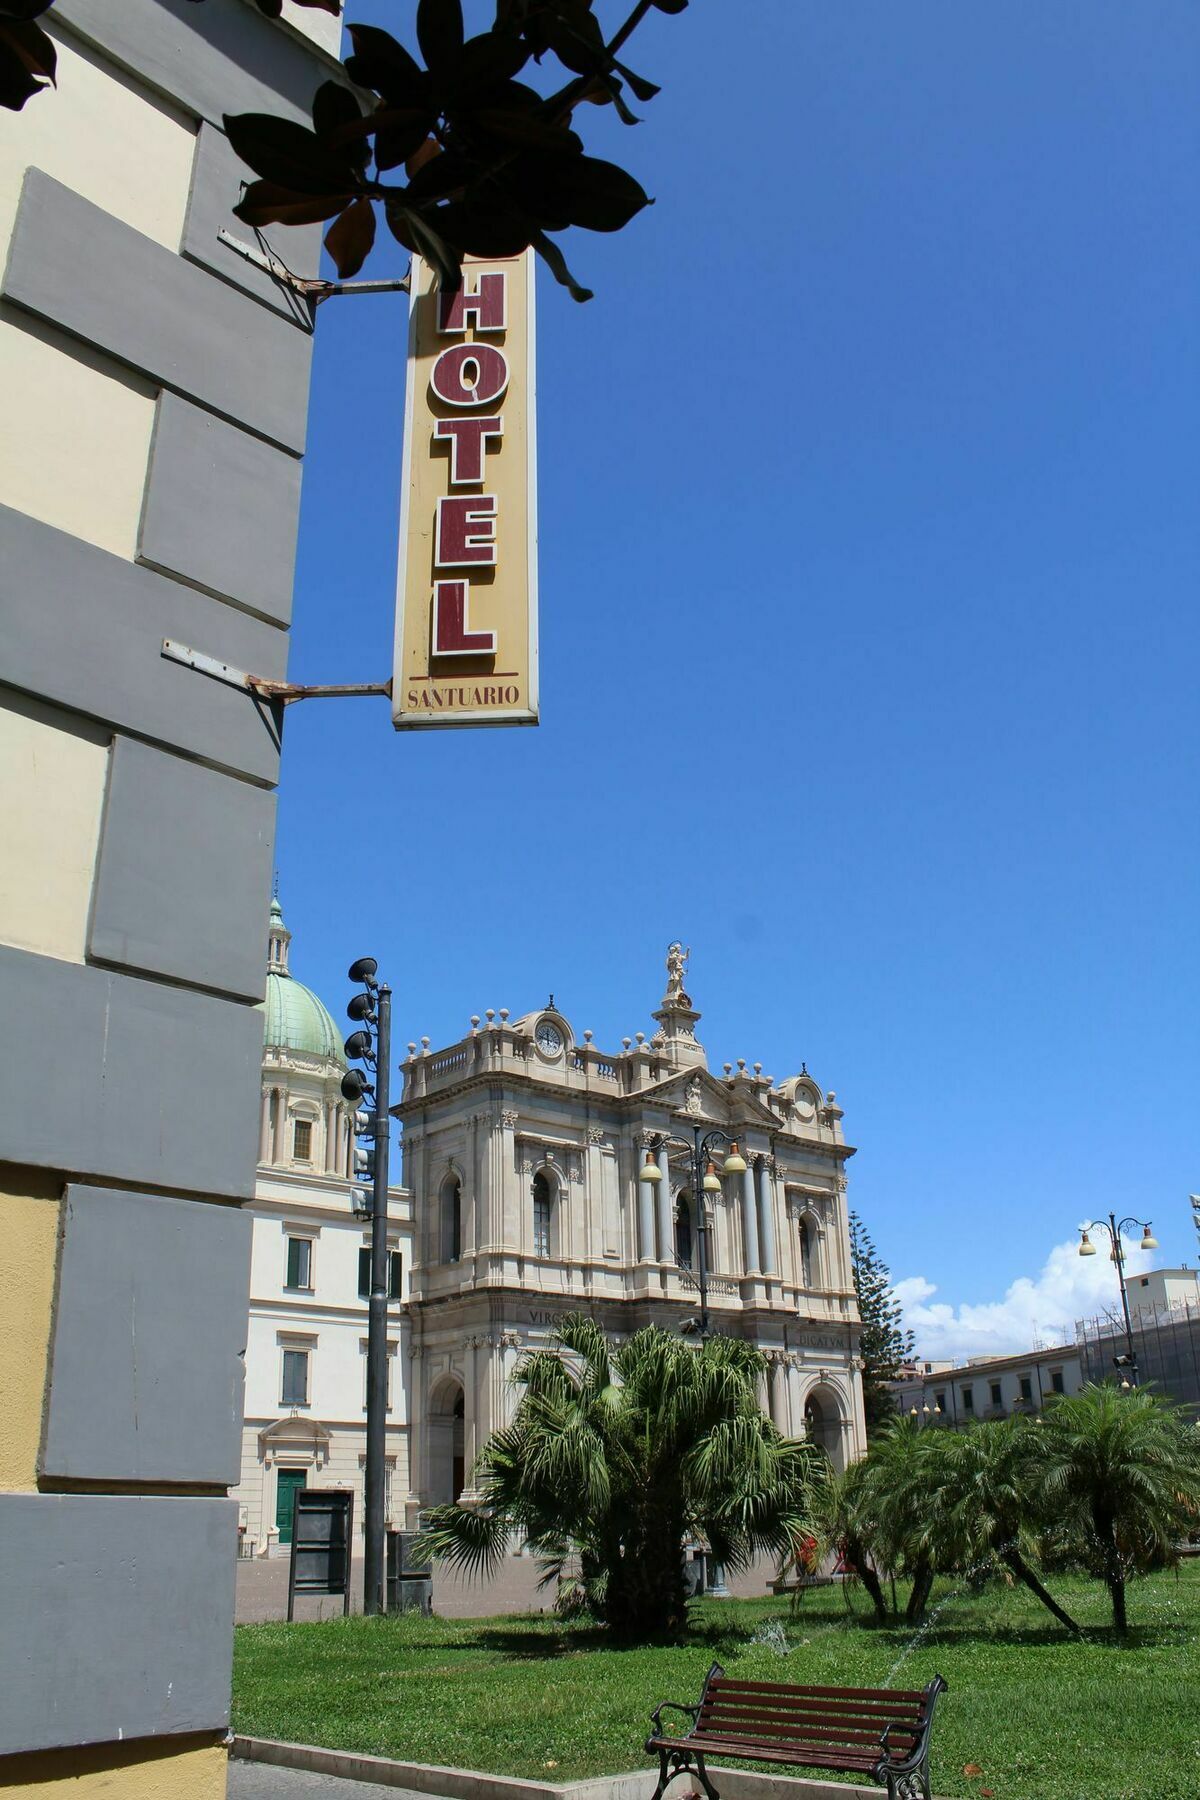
pixel 275 886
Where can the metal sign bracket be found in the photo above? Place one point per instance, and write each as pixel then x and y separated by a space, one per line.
pixel 285 692
pixel 310 288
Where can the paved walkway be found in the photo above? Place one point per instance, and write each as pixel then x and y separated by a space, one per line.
pixel 263 1781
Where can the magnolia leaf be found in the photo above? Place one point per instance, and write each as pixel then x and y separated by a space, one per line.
pixel 379 62
pixel 266 203
pixel 25 53
pixel 440 33
pixel 350 237
pixel 289 154
pixel 556 262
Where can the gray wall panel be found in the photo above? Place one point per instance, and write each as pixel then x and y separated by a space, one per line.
pixel 184 872
pixel 223 58
pixel 221 508
pixel 126 1617
pixel 147 1361
pixel 217 177
pixel 152 309
pixel 84 628
pixel 126 1079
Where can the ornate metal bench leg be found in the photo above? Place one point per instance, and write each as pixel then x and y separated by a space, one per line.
pixel 664 1776
pixel 707 1785
pixel 914 1786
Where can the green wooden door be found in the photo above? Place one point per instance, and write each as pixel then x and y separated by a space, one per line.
pixel 287 1481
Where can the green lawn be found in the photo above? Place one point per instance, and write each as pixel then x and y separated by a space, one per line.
pixel 1045 1718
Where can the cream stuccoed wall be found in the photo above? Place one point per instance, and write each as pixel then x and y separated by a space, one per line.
pixel 55 767
pixel 78 427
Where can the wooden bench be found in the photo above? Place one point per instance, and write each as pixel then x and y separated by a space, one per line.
pixel 880 1732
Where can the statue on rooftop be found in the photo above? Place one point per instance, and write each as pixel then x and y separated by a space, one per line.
pixel 677 959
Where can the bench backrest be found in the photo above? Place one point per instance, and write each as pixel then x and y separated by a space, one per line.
pixel 786 1717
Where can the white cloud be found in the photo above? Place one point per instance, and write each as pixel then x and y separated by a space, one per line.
pixel 1041 1307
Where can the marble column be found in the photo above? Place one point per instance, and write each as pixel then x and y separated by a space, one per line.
pixel 766 1218
pixel 264 1131
pixel 645 1210
pixel 749 1224
pixel 277 1127
pixel 666 1233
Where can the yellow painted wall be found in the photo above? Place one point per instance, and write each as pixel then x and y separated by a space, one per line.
pixel 109 139
pixel 148 1770
pixel 51 799
pixel 76 440
pixel 29 1219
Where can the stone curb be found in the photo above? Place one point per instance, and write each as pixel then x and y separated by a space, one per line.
pixel 470 1784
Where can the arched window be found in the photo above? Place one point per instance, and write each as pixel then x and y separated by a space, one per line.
pixel 806 1254
pixel 683 1232
pixel 542 1202
pixel 452 1220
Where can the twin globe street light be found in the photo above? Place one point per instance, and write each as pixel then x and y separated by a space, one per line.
pixel 1113 1230
pixel 371 1011
pixel 705 1181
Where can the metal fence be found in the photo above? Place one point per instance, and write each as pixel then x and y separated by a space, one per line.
pixel 1166 1342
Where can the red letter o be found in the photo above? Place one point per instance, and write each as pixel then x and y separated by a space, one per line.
pixel 448 378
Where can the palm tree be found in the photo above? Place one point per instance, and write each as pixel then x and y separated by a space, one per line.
pixel 907 1537
pixel 984 1478
pixel 1119 1476
pixel 613 1461
pixel 844 1521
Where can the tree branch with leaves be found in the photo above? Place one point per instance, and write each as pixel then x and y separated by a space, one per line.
pixel 491 165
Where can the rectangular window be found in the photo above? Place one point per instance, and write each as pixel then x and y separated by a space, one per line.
pixel 395 1271
pixel 1027 1387
pixel 295 1378
pixel 997 1393
pixel 299 1263
pixel 391 1358
pixel 968 1400
pixel 1056 1381
pixel 939 1400
pixel 302 1140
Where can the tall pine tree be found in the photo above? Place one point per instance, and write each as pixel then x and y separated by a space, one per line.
pixel 884 1344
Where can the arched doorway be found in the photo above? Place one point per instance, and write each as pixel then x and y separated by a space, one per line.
pixel 447 1442
pixel 823 1424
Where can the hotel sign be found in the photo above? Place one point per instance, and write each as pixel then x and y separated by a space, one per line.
pixel 466 607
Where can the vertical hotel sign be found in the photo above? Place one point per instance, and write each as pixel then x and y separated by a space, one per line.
pixel 466 605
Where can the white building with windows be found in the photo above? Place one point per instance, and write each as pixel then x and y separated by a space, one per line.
pixel 523 1199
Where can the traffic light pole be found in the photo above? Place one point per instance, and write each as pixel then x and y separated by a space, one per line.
pixel 374 1594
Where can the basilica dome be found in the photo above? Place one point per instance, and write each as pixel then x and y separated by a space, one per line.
pixel 294 1019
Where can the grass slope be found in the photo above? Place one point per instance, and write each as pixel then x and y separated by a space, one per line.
pixel 1043 1717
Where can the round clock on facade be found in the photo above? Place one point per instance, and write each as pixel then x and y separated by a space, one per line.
pixel 549 1038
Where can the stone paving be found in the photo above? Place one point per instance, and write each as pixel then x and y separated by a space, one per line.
pixel 263 1781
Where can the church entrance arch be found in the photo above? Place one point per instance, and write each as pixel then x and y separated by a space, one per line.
pixel 447 1441
pixel 823 1415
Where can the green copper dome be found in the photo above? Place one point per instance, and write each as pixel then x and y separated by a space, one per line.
pixel 294 1019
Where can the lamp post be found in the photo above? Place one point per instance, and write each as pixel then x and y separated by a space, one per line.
pixel 1113 1228
pixel 371 1043
pixel 705 1181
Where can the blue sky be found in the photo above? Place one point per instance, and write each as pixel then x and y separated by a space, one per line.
pixel 869 559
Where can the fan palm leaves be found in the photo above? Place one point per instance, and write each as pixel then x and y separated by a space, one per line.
pixel 614 1459
pixel 1118 1479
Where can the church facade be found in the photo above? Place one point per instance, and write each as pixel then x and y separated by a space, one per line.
pixel 524 1155
pixel 525 1145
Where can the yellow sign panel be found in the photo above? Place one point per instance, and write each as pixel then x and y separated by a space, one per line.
pixel 466 604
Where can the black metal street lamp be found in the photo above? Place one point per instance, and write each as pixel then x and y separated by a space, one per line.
pixel 1113 1229
pixel 371 1011
pixel 705 1181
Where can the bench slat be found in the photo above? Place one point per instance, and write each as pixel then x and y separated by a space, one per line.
pixel 825 1756
pixel 729 1725
pixel 836 1730
pixel 752 1709
pixel 724 1685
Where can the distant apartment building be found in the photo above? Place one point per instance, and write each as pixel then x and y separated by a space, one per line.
pixel 1164 1314
pixel 988 1387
